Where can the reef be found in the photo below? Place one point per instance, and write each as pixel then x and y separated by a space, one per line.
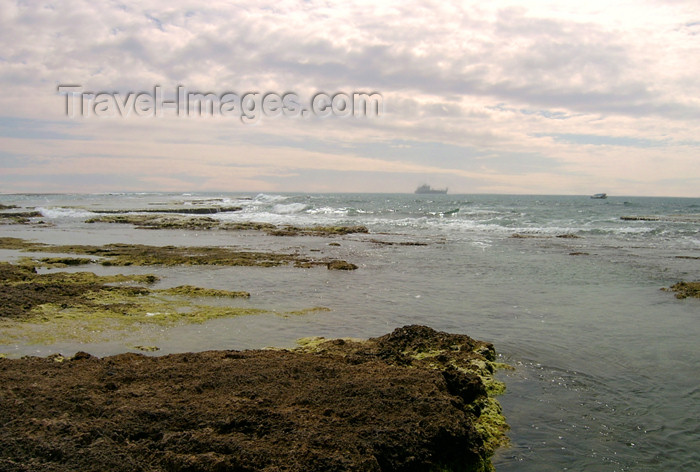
pixel 397 243
pixel 145 255
pixel 341 265
pixel 685 289
pixel 544 236
pixel 412 400
pixel 179 211
pixel 17 217
pixel 24 291
pixel 677 218
pixel 192 291
pixel 84 307
pixel 208 223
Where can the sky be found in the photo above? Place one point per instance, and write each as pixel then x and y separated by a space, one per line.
pixel 517 97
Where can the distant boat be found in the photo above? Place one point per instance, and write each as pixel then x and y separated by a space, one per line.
pixel 428 189
pixel 600 196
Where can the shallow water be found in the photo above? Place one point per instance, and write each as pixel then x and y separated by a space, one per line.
pixel 606 374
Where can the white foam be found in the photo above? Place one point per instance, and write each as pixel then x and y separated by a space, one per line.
pixel 65 213
pixel 328 211
pixel 265 198
pixel 289 208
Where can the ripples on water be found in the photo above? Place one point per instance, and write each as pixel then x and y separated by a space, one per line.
pixel 606 374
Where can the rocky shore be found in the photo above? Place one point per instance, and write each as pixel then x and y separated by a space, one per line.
pixel 413 400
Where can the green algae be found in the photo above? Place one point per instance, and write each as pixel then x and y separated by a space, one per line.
pixel 23 290
pixel 60 262
pixel 17 243
pixel 124 255
pixel 107 315
pixel 82 306
pixel 53 306
pixel 492 424
pixel 305 311
pixel 192 291
pixel 106 320
pixel 144 255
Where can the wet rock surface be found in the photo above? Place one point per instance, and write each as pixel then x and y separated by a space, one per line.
pixel 19 217
pixel 123 255
pixel 40 308
pixel 413 400
pixel 207 223
pixel 685 289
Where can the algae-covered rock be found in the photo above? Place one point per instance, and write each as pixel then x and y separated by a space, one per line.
pixel 123 255
pixel 155 221
pixel 143 255
pixel 685 289
pixel 343 406
pixel 201 210
pixel 467 365
pixel 397 243
pixel 81 306
pixel 305 311
pixel 61 262
pixel 18 218
pixel 525 236
pixel 147 348
pixel 340 265
pixel 317 230
pixel 192 291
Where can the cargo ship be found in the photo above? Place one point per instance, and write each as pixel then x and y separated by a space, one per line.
pixel 428 189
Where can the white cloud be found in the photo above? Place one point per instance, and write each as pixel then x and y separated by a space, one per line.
pixel 497 79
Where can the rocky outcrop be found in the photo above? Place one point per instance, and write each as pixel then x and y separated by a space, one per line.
pixel 413 400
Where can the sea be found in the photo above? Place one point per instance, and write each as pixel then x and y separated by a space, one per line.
pixel 568 288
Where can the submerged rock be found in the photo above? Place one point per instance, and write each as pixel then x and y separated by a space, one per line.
pixel 413 400
pixel 180 210
pixel 685 289
pixel 85 307
pixel 341 265
pixel 169 221
pixel 145 255
pixel 20 218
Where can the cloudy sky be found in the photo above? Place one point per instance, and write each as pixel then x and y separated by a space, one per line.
pixel 530 97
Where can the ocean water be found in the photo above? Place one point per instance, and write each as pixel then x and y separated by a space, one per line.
pixel 607 366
